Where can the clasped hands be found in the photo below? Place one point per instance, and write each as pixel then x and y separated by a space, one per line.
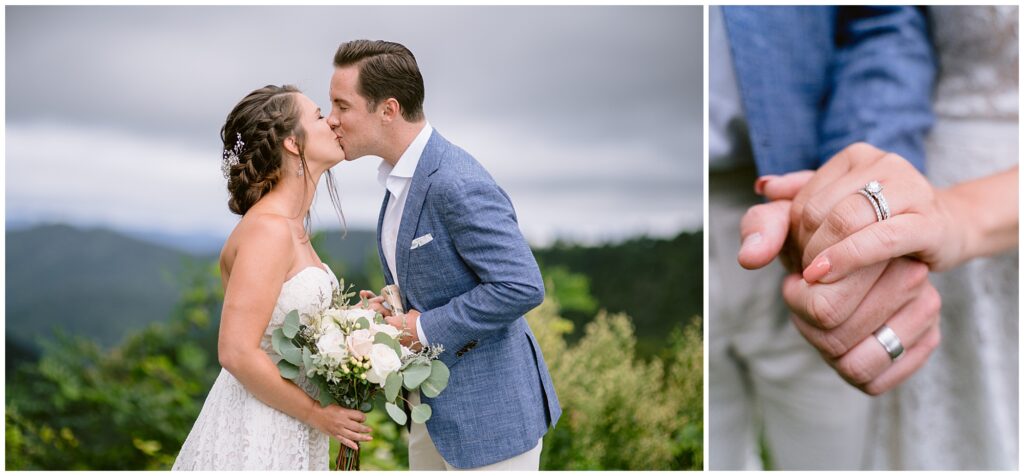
pixel 850 274
pixel 406 323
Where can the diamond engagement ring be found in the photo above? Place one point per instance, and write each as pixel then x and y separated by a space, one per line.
pixel 873 192
pixel 890 342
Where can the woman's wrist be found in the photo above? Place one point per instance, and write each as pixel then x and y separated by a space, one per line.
pixel 960 242
pixel 311 414
pixel 983 213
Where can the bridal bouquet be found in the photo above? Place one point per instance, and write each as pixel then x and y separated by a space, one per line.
pixel 351 355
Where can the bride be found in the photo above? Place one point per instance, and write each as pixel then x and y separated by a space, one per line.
pixel 969 391
pixel 959 412
pixel 277 145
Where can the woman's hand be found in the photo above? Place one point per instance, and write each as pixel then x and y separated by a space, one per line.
pixel 941 228
pixel 341 423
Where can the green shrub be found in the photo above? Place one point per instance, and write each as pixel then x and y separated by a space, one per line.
pixel 619 412
pixel 130 407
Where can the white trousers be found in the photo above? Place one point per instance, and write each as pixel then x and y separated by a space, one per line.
pixel 423 455
pixel 766 383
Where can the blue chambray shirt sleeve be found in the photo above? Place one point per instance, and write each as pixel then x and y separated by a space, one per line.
pixel 483 227
pixel 883 75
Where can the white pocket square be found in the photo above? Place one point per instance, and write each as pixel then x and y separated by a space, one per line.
pixel 418 242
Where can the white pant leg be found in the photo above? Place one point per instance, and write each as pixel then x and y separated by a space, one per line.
pixel 732 439
pixel 769 380
pixel 529 461
pixel 423 455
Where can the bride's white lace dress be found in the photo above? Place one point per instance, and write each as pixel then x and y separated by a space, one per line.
pixel 960 410
pixel 237 431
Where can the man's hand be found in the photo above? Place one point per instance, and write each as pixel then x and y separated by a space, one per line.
pixel 403 322
pixel 901 298
pixel 407 324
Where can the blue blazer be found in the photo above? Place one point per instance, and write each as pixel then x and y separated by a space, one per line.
pixel 472 283
pixel 814 80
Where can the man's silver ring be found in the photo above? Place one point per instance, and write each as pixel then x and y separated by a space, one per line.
pixel 873 192
pixel 890 342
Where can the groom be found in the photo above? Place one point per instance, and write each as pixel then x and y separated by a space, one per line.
pixel 448 236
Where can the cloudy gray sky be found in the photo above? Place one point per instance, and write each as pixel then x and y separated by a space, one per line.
pixel 589 117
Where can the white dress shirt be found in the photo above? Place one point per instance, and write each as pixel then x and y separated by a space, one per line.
pixel 398 181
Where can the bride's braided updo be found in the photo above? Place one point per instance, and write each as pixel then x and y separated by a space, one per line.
pixel 261 121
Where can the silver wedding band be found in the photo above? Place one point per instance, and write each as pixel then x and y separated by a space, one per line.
pixel 873 192
pixel 890 342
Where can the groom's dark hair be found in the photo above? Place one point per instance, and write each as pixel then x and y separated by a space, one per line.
pixel 386 70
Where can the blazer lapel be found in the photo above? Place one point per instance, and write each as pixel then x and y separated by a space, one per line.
pixel 780 56
pixel 752 60
pixel 429 162
pixel 388 279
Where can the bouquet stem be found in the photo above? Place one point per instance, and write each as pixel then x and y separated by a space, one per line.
pixel 348 459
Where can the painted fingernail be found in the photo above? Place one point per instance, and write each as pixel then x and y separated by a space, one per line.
pixel 760 182
pixel 818 269
pixel 752 239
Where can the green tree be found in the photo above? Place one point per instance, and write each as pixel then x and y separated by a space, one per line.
pixel 620 412
pixel 131 407
pixel 85 407
pixel 659 283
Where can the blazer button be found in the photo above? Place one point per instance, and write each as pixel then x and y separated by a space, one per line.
pixel 466 348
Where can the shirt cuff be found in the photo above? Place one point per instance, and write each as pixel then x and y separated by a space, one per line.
pixel 419 332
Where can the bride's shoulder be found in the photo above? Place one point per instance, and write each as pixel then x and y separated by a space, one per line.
pixel 260 231
pixel 264 227
pixel 259 237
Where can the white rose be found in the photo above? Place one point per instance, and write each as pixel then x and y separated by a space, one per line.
pixel 360 343
pixel 383 361
pixel 332 345
pixel 334 316
pixel 353 314
pixel 386 329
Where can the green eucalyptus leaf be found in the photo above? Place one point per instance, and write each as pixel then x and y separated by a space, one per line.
pixel 293 355
pixel 288 370
pixel 395 413
pixel 291 324
pixel 415 375
pixel 421 413
pixel 324 396
pixel 285 348
pixel 392 386
pixel 362 323
pixel 382 338
pixel 278 340
pixel 366 407
pixel 438 380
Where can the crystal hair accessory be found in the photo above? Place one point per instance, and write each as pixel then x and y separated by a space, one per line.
pixel 230 157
